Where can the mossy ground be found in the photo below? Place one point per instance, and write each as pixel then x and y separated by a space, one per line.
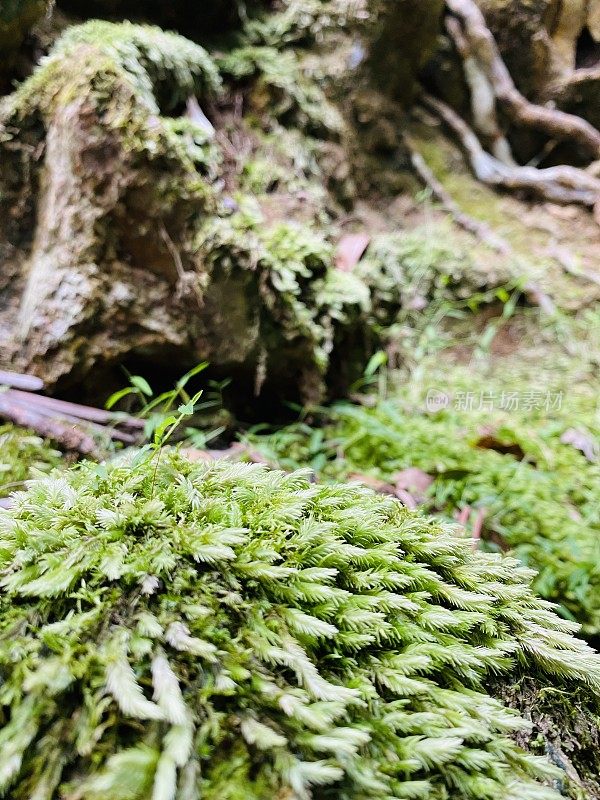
pixel 284 178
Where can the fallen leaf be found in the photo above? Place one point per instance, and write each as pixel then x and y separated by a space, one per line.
pixel 350 250
pixel 413 479
pixel 462 516
pixel 382 487
pixel 581 441
pixel 489 442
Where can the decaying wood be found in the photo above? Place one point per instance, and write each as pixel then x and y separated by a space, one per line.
pixel 562 184
pixel 557 124
pixel 72 426
pixel 80 412
pixel 67 434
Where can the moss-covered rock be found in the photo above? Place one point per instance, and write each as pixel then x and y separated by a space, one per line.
pixel 118 200
pixel 170 629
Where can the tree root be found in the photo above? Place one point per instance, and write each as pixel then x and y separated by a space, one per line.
pixel 557 124
pixel 561 184
pixel 473 226
pixel 483 97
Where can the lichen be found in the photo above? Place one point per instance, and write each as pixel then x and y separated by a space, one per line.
pixel 230 631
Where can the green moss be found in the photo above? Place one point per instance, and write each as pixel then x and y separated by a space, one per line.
pixel 227 631
pixel 129 73
pixel 280 89
pixel 496 446
pixel 426 267
pixel 303 301
pixel 22 455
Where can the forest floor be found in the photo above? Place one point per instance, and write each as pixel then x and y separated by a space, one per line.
pixel 486 411
pixel 482 410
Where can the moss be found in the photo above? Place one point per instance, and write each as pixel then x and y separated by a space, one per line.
pixel 497 444
pixel 230 631
pixel 162 69
pixel 280 89
pixel 303 301
pixel 22 455
pixel 412 270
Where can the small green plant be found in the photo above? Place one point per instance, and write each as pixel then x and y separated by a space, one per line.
pixel 161 423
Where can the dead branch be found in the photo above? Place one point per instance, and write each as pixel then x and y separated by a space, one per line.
pixel 71 425
pixel 77 411
pixel 68 435
pixel 27 382
pixel 557 124
pixel 562 184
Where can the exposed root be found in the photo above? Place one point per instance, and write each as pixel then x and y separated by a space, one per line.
pixel 557 124
pixel 473 226
pixel 561 184
pixel 483 97
pixel 478 229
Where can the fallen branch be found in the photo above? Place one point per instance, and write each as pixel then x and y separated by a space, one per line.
pixel 72 426
pixel 557 124
pixel 27 382
pixel 68 435
pixel 77 411
pixel 562 184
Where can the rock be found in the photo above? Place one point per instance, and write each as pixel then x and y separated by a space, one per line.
pixel 114 244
